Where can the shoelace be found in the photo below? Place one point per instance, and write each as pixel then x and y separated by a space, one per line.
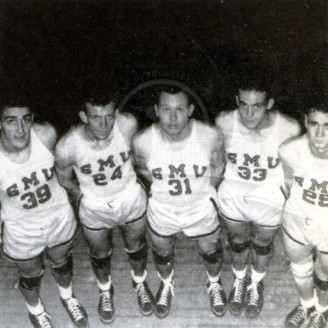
pixel 74 308
pixel 167 288
pixel 298 316
pixel 317 320
pixel 142 293
pixel 215 289
pixel 238 285
pixel 43 320
pixel 254 295
pixel 105 301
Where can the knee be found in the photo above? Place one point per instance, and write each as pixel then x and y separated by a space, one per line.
pixel 263 249
pixel 139 254
pixel 321 284
pixel 213 257
pixel 321 266
pixel 321 273
pixel 304 269
pixel 65 268
pixel 163 259
pixel 30 283
pixel 103 249
pixel 211 251
pixel 100 262
pixel 135 244
pixel 238 247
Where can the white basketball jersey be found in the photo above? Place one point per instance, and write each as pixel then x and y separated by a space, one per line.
pixel 253 159
pixel 309 191
pixel 104 172
pixel 181 170
pixel 30 194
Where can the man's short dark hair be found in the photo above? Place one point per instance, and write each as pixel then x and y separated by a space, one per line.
pixel 254 73
pixel 100 90
pixel 13 100
pixel 171 89
pixel 254 82
pixel 101 97
pixel 316 102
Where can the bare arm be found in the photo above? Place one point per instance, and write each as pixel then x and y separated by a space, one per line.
pixel 128 125
pixel 140 158
pixel 294 129
pixel 224 121
pixel 288 171
pixel 65 169
pixel 47 134
pixel 217 160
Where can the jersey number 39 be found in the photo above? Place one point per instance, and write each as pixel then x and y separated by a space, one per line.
pixel 33 199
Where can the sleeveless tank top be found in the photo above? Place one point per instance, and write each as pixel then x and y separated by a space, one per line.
pixel 309 191
pixel 253 159
pixel 104 172
pixel 180 170
pixel 30 193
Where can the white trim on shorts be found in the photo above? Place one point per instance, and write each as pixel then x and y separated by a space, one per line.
pixel 299 242
pixel 119 225
pixel 45 248
pixel 189 237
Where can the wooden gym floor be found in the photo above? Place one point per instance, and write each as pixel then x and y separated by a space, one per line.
pixel 190 305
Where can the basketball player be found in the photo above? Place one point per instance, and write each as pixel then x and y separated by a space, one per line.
pixel 183 160
pixel 250 197
pixel 37 216
pixel 98 151
pixel 304 219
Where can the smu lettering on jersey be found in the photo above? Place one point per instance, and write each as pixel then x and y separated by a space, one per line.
pixel 104 172
pixel 30 191
pixel 309 191
pixel 181 170
pixel 253 158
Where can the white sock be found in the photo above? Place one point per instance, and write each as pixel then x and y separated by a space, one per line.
pixel 168 279
pixel 139 279
pixel 37 309
pixel 65 293
pixel 105 286
pixel 240 274
pixel 309 303
pixel 321 308
pixel 213 279
pixel 257 276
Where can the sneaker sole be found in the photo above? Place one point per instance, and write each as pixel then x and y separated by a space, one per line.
pixel 236 314
pixel 147 314
pixel 106 322
pixel 161 316
pixel 252 316
pixel 219 315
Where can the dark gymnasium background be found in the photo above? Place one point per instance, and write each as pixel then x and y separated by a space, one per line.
pixel 53 51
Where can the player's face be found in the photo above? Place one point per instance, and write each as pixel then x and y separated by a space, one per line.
pixel 173 112
pixel 15 127
pixel 99 119
pixel 253 107
pixel 317 130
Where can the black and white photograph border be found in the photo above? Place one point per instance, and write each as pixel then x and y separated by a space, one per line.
pixel 50 50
